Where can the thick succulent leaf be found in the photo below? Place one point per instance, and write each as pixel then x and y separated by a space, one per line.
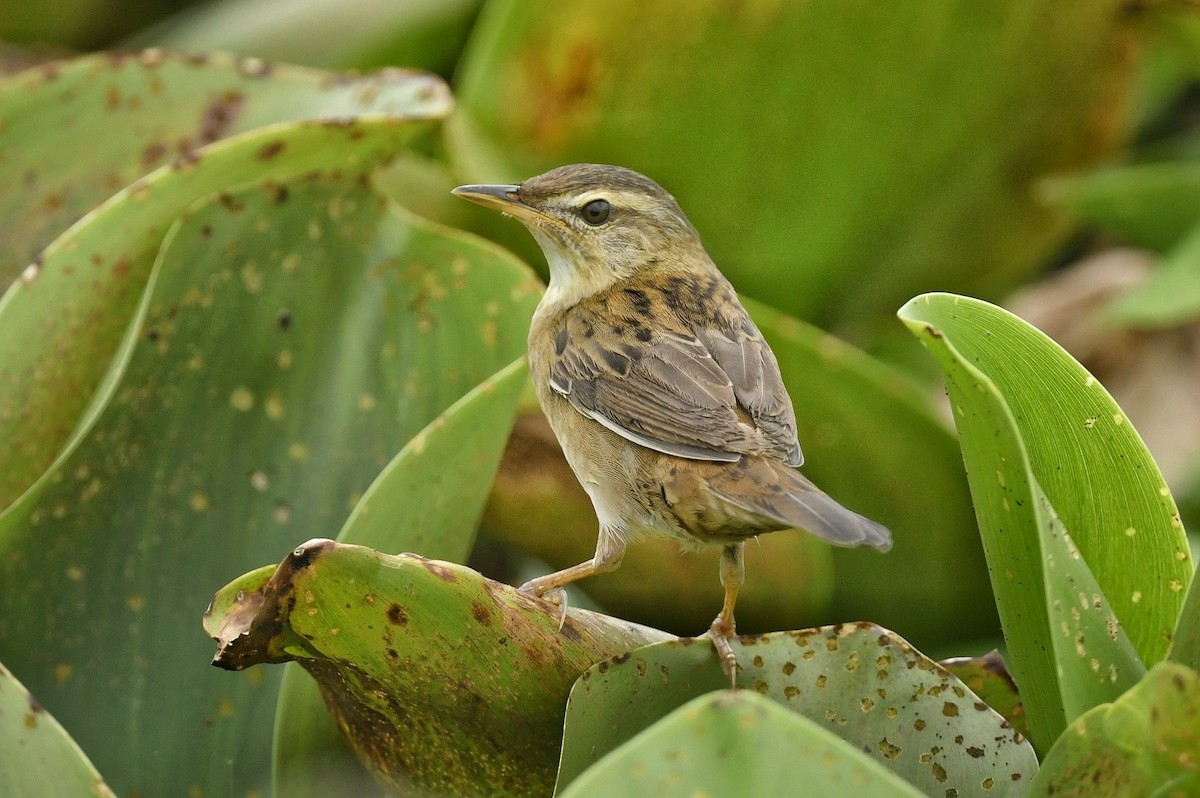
pixel 737 743
pixel 1185 648
pixel 73 133
pixel 1082 450
pixel 445 682
pixel 61 324
pixel 1171 296
pixel 1149 205
pixel 861 425
pixel 988 678
pixel 1070 620
pixel 426 501
pixel 784 154
pixel 1143 744
pixel 425 34
pixel 39 757
pixel 295 336
pixel 858 681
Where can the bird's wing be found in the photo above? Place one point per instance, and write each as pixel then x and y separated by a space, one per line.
pixel 707 392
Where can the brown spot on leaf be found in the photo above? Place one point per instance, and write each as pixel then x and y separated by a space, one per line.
pixel 440 571
pixel 397 615
pixel 217 117
pixel 950 709
pixel 481 613
pixel 269 150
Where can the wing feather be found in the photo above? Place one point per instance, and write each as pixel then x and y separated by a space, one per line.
pixel 710 390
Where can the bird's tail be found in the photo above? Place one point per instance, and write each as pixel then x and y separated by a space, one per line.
pixel 773 490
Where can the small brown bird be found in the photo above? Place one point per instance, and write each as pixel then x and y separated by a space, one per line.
pixel 667 402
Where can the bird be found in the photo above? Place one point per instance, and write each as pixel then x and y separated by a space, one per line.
pixel 666 400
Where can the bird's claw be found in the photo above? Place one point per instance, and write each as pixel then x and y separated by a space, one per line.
pixel 555 595
pixel 720 636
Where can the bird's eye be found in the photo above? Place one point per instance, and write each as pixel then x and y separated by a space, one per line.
pixel 596 212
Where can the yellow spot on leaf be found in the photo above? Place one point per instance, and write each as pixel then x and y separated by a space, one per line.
pixel 241 399
pixel 199 502
pixel 273 406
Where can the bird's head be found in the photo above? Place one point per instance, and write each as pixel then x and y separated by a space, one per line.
pixel 596 224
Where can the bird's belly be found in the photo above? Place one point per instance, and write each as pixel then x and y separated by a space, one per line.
pixel 614 472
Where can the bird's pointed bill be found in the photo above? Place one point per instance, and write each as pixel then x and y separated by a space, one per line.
pixel 500 197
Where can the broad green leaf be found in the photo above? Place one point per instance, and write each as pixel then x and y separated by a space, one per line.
pixel 776 125
pixel 1171 295
pixel 425 34
pixel 737 743
pixel 857 681
pixel 1150 205
pixel 988 678
pixel 445 682
pixel 73 133
pixel 1185 648
pixel 295 336
pixel 61 323
pixel 863 426
pixel 1082 450
pixel 1070 644
pixel 1144 744
pixel 426 501
pixel 39 757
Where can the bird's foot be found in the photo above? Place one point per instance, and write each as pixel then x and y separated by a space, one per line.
pixel 555 595
pixel 721 632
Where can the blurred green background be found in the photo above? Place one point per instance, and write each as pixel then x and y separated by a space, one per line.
pixel 838 157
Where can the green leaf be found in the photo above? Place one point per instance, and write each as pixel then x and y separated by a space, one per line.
pixel 445 682
pixel 1150 205
pixel 856 681
pixel 988 678
pixel 73 133
pixel 1069 619
pixel 294 337
pixel 1143 744
pixel 1185 647
pixel 1084 453
pixel 426 501
pixel 737 743
pixel 1171 296
pixel 62 323
pixel 39 757
pixel 790 172
pixel 425 34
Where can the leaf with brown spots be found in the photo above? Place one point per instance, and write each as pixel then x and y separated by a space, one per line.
pixel 988 678
pixel 1064 504
pixel 62 323
pixel 225 437
pixel 427 500
pixel 447 703
pixel 858 681
pixel 1147 742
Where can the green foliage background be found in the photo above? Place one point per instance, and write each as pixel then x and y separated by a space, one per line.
pixel 245 313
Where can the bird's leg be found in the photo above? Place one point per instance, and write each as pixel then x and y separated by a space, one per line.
pixel 610 548
pixel 733 573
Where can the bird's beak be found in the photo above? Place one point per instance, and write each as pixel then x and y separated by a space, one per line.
pixel 503 198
